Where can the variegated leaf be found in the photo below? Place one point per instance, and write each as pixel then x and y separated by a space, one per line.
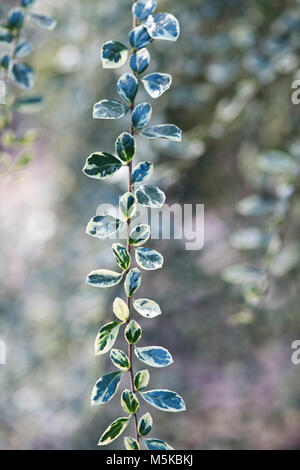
pixel 101 165
pixel 102 226
pixel 132 281
pixel 120 359
pixel 147 308
pixel 150 196
pixel 141 172
pixel 121 255
pixel 114 430
pixel 145 424
pixel 106 337
pixel 157 83
pixel 156 444
pixel 139 235
pixel 155 356
pixel 133 332
pixel 164 400
pixel 120 309
pixel 129 402
pixel 141 380
pixel 113 54
pixel 106 388
pixel 104 278
pixel 148 259
pixel 131 444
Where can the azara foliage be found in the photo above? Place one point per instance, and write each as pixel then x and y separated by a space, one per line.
pixel 17 77
pixel 147 26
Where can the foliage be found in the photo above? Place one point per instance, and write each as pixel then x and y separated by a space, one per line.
pixel 15 74
pixel 147 26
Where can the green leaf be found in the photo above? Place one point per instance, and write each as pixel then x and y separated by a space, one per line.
pixel 148 259
pixel 147 308
pixel 243 274
pixel 155 356
pixel 127 87
pixel 128 205
pixel 145 424
pixel 164 400
pixel 106 337
pixel 120 309
pixel 141 380
pixel 42 21
pixel 101 165
pixel 120 359
pixel 139 235
pixel 121 255
pixel 133 332
pixel 150 196
pixel 106 388
pixel 163 131
pixel 109 109
pixel 104 278
pixel 132 282
pixel 125 147
pixel 141 172
pixel 129 402
pixel 113 54
pixel 103 226
pixel 157 444
pixel 131 444
pixel 114 430
pixel 157 83
pixel 23 76
pixel 28 105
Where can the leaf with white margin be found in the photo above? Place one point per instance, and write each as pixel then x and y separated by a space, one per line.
pixel 145 424
pixel 113 54
pixel 120 309
pixel 157 83
pixel 104 278
pixel 129 402
pixel 128 205
pixel 163 131
pixel 132 281
pixel 131 444
pixel 102 226
pixel 105 388
pixel 101 165
pixel 164 400
pixel 139 37
pixel 156 444
pixel 163 26
pixel 121 255
pixel 109 109
pixel 120 359
pixel 127 87
pixel 155 356
pixel 141 379
pixel 106 337
pixel 150 196
pixel 23 76
pixel 143 8
pixel 140 60
pixel 114 430
pixel 133 332
pixel 141 172
pixel 148 259
pixel 139 235
pixel 141 115
pixel 125 147
pixel 147 308
pixel 42 21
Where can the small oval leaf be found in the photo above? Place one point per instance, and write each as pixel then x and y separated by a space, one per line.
pixel 23 76
pixel 163 26
pixel 127 87
pixel 141 115
pixel 114 430
pixel 145 424
pixel 131 444
pixel 120 309
pixel 157 83
pixel 133 332
pixel 121 255
pixel 139 61
pixel 139 37
pixel 128 205
pixel 42 21
pixel 148 259
pixel 147 308
pixel 103 226
pixel 129 402
pixel 106 337
pixel 23 49
pixel 125 147
pixel 163 131
pixel 155 356
pixel 106 388
pixel 164 400
pixel 120 359
pixel 113 54
pixel 109 109
pixel 141 380
pixel 104 278
pixel 132 281
pixel 156 444
pixel 143 8
pixel 101 165
pixel 139 235
pixel 150 196
pixel 141 172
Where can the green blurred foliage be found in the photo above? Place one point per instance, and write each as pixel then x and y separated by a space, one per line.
pixel 232 70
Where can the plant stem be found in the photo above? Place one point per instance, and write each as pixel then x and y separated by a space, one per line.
pixel 130 346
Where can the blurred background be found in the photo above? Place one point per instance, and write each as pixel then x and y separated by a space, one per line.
pixel 232 70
